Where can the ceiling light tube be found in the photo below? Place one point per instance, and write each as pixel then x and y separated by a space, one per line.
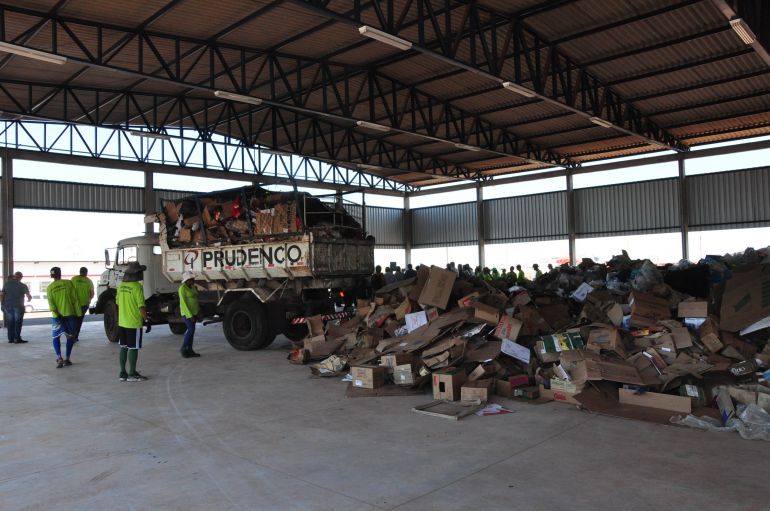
pixel 600 122
pixel 518 89
pixel 742 29
pixel 372 126
pixel 384 37
pixel 468 147
pixel 23 51
pixel 221 94
pixel 150 134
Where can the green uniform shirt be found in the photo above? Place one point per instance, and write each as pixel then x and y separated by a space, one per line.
pixel 188 301
pixel 538 274
pixel 130 300
pixel 521 277
pixel 61 299
pixel 83 289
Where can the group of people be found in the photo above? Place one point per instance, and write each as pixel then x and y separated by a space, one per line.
pixel 68 301
pixel 514 276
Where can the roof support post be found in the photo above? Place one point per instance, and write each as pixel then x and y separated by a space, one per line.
pixel 6 214
pixel 571 217
pixel 480 223
pixel 148 200
pixel 684 213
pixel 407 219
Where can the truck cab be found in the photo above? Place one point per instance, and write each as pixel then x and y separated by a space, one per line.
pixel 146 250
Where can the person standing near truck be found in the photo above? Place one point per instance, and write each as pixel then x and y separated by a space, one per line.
pixel 64 315
pixel 12 298
pixel 132 315
pixel 189 308
pixel 84 293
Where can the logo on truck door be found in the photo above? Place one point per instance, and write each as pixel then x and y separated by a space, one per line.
pixel 190 258
pixel 253 256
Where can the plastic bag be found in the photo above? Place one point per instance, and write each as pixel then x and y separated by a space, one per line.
pixel 752 423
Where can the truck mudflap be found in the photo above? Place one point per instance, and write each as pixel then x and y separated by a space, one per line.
pixel 325 317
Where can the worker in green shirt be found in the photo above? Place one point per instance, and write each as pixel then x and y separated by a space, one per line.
pixel 132 315
pixel 64 315
pixel 538 273
pixel 189 308
pixel 84 293
pixel 520 278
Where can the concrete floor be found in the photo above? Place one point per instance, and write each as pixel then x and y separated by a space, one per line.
pixel 236 430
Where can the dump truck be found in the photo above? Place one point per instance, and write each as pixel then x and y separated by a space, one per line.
pixel 264 262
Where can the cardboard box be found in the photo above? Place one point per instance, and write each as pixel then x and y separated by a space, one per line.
pixel 315 325
pixel 566 386
pixel 405 375
pixel 508 328
pixel 368 377
pixel 695 393
pixel 397 359
pixel 484 370
pixel 682 337
pixel 467 300
pixel 668 402
pixel 486 313
pixel 607 339
pixel 558 395
pixel 584 366
pixel 528 393
pixel 318 347
pixel 724 403
pixel 478 389
pixel 709 336
pixel 403 309
pixel 693 309
pixel 549 347
pixel 447 383
pixel 745 300
pixel 503 388
pixel 438 287
pixel 751 395
pixel 520 380
pixel 647 309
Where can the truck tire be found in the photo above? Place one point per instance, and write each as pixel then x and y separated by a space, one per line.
pixel 245 325
pixel 111 321
pixel 177 328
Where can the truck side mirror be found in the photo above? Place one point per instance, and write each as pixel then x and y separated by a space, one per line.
pixel 106 258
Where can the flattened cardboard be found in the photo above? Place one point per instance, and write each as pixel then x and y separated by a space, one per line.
pixel 709 336
pixel 438 287
pixel 467 300
pixel 655 400
pixel 693 309
pixel 384 391
pixel 480 390
pixel 746 298
pixel 319 348
pixel 422 277
pixel 682 337
pixel 483 371
pixel 586 366
pixel 607 339
pixel 487 351
pixel 403 309
pixel 486 313
pixel 604 400
pixel 560 396
pixel 315 325
pixel 503 388
pixel 508 328
pixel 448 409
pixel 751 395
pixel 647 309
pixel 396 359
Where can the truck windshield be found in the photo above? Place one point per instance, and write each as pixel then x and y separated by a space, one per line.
pixel 126 255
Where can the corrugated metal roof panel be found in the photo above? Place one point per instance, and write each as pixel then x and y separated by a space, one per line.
pixel 729 198
pixel 526 218
pixel 453 224
pixel 631 208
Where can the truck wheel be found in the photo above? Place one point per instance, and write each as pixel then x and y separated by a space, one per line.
pixel 111 321
pixel 245 325
pixel 177 328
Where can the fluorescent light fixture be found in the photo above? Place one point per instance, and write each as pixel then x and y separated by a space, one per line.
pixel 518 89
pixel 600 122
pixel 366 166
pixel 275 152
pixel 372 126
pixel 237 97
pixel 468 147
pixel 150 134
pixel 23 51
pixel 742 29
pixel 384 37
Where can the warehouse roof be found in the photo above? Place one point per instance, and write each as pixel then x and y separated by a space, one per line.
pixel 418 91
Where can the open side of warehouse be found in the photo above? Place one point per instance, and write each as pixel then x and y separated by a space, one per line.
pixel 393 254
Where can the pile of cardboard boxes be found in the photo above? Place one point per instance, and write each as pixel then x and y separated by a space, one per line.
pixel 624 338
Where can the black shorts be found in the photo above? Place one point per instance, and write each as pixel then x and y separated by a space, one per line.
pixel 130 338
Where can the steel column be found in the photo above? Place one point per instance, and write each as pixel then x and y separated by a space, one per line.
pixel 6 213
pixel 148 198
pixel 684 212
pixel 407 231
pixel 480 224
pixel 571 217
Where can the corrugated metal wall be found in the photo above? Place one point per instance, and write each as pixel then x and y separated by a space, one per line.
pixel 29 193
pixel 729 200
pixel 526 218
pixel 386 225
pixel 449 225
pixel 629 208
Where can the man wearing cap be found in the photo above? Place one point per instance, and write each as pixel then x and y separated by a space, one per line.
pixel 12 299
pixel 64 315
pixel 132 315
pixel 189 308
pixel 84 293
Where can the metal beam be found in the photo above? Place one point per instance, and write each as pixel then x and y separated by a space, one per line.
pixel 571 230
pixel 684 212
pixel 6 212
pixel 480 224
pixel 148 201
